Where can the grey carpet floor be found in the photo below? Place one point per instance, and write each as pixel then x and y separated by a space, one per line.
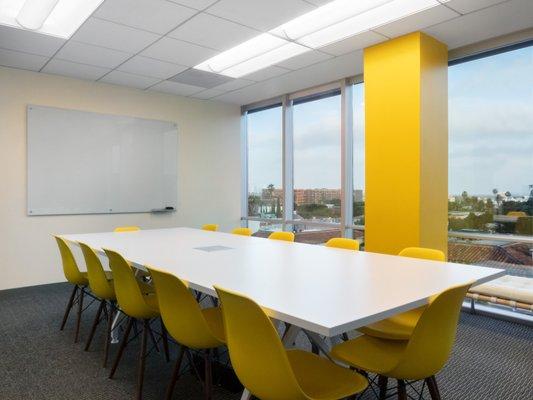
pixel 492 359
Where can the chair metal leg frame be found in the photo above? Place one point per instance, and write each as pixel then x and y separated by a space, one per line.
pixel 165 340
pixel 400 391
pixel 69 307
pixel 108 332
pixel 175 373
pixel 95 324
pixel 142 358
pixel 80 309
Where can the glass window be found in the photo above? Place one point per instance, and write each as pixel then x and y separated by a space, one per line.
pixel 317 159
pixel 491 159
pixel 358 159
pixel 265 195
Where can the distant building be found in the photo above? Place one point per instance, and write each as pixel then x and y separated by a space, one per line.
pixel 358 195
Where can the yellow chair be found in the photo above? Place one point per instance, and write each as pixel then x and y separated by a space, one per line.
pixel 269 371
pixel 400 326
pixel 127 229
pixel 420 357
pixel 191 326
pixel 210 227
pixel 242 231
pixel 75 277
pixel 101 285
pixel 423 253
pixel 343 243
pixel 285 236
pixel 137 306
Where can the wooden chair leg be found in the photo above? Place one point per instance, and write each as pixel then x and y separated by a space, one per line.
pixel 382 383
pixel 433 388
pixel 142 358
pixel 121 348
pixel 95 324
pixel 165 340
pixel 69 307
pixel 110 315
pixel 208 375
pixel 175 373
pixel 80 309
pixel 402 391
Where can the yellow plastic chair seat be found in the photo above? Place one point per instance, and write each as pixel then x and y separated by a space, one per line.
pixel 242 231
pixel 343 243
pixel 151 301
pixel 322 380
pixel 283 236
pixel 370 354
pixel 213 317
pixel 210 227
pixel 397 327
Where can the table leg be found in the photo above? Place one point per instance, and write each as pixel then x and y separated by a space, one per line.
pixel 246 395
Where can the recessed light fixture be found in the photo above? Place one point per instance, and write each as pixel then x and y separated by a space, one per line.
pixel 324 25
pixel 51 17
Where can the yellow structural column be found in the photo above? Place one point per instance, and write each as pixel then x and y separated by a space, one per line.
pixel 406 113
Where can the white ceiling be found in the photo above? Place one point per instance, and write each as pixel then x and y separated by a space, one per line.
pixel 143 43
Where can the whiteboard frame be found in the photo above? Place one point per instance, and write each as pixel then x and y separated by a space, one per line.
pixel 30 213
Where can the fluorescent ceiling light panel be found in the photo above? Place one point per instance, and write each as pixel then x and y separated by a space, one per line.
pixel 272 57
pixel 322 17
pixel 335 21
pixel 243 52
pixel 51 17
pixel 365 21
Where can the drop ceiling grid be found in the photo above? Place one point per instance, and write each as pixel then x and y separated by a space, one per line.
pixel 57 48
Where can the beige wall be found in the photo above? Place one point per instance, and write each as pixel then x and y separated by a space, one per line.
pixel 209 167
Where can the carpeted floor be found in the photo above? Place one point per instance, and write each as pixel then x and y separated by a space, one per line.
pixel 492 359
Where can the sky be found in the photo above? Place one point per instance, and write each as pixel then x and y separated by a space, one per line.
pixel 490 132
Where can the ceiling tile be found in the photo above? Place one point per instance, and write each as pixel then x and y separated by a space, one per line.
pixel 74 70
pixel 195 77
pixel 15 59
pixel 234 85
pixel 126 79
pixel 157 16
pixel 266 73
pixel 494 21
pixel 151 67
pixel 353 43
pixel 305 59
pixel 29 42
pixel 196 4
pixel 221 35
pixel 207 94
pixel 260 14
pixel 466 6
pixel 114 36
pixel 326 71
pixel 415 22
pixel 179 89
pixel 93 55
pixel 178 52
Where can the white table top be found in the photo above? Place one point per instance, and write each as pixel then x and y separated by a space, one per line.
pixel 324 290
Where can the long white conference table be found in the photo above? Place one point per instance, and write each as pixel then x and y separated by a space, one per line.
pixel 325 291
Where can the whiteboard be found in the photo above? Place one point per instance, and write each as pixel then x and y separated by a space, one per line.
pixel 89 163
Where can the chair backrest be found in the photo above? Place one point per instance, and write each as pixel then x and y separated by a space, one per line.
pixel 129 296
pixel 424 253
pixel 210 227
pixel 127 229
pixel 70 267
pixel 98 282
pixel 242 231
pixel 256 352
pixel 432 339
pixel 343 243
pixel 285 236
pixel 181 313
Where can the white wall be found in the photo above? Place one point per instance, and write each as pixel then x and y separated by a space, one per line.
pixel 209 167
